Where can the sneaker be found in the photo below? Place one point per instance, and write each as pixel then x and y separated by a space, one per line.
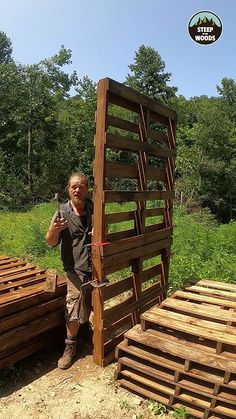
pixel 69 353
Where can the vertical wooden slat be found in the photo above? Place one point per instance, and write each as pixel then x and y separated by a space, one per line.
pixel 99 217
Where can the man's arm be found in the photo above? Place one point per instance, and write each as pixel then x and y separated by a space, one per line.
pixel 57 225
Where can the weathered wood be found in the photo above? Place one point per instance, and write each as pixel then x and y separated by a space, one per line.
pixel 121 142
pixel 221 302
pixel 126 196
pixel 191 325
pixel 210 312
pixel 214 292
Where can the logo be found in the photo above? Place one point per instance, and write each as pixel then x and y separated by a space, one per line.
pixel 205 27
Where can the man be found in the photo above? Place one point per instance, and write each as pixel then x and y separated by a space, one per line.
pixel 71 227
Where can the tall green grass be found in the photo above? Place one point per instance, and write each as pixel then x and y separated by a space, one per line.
pixel 201 247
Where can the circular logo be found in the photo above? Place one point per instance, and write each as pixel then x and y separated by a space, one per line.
pixel 205 27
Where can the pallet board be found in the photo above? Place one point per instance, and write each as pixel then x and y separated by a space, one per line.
pixel 30 317
pixel 146 133
pixel 184 351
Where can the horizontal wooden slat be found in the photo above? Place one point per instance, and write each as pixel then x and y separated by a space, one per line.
pixel 126 196
pixel 132 95
pixel 217 285
pixel 134 253
pixel 205 299
pixel 128 171
pixel 121 142
pixel 200 310
pixel 120 170
pixel 21 268
pixel 157 135
pixel 191 325
pixel 27 274
pixel 156 173
pixel 117 288
pixel 22 283
pixel 7 261
pixel 33 328
pixel 28 297
pixel 213 292
pixel 163 358
pixel 181 348
pixel 120 235
pixel 136 241
pixel 129 306
pixel 152 212
pixel 31 313
pixel 149 273
pixel 121 123
pixel 119 217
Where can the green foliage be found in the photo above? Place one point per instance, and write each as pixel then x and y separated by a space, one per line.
pixel 156 408
pixel 148 75
pixel 5 48
pixel 202 249
pixel 181 413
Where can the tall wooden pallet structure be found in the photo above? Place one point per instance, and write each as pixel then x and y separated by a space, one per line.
pixel 147 136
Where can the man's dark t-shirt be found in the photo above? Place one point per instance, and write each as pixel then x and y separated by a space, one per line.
pixel 74 240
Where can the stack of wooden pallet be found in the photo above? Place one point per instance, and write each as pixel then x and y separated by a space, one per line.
pixel 30 317
pixel 184 352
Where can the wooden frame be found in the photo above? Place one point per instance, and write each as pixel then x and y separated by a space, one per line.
pixel 148 135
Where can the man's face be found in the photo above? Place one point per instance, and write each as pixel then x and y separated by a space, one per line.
pixel 78 190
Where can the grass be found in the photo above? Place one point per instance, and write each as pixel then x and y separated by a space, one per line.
pixel 201 247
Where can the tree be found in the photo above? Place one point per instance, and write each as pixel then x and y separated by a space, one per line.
pixel 5 49
pixel 149 76
pixel 30 100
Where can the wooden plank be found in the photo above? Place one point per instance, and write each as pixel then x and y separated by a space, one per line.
pixel 3 257
pixel 200 309
pixel 187 324
pixel 31 313
pixel 152 272
pixel 217 285
pixel 156 173
pixel 7 261
pixel 115 328
pixel 119 235
pixel 26 274
pixel 121 142
pixel 204 299
pixel 27 297
pixel 128 306
pixel 117 288
pixel 133 96
pixel 213 292
pixel 152 212
pixel 181 348
pixel 152 228
pixel 16 269
pixel 32 346
pixel 121 123
pixel 31 329
pixel 126 196
pixel 136 252
pixel 10 265
pixel 136 241
pixel 118 217
pixel 161 358
pixel 157 135
pixel 22 283
pixel 156 386
pixel 128 171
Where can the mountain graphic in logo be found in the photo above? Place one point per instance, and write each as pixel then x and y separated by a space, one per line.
pixel 205 27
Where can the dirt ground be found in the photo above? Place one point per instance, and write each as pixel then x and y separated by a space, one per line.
pixel 36 388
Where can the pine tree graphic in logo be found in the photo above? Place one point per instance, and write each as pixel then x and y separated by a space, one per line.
pixel 205 27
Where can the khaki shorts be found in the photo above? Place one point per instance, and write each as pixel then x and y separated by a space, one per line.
pixel 78 298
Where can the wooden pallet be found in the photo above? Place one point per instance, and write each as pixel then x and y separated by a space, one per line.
pixel 184 351
pixel 28 313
